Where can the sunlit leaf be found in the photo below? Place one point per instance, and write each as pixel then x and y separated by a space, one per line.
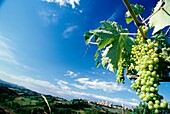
pixel 96 55
pixel 113 52
pixel 97 64
pixel 88 36
pixel 138 9
pixel 162 18
pixel 112 43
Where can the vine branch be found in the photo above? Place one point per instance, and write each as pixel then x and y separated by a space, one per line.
pixel 153 13
pixel 137 22
pixel 163 79
pixel 167 32
pixel 95 43
pixel 142 20
pixel 129 34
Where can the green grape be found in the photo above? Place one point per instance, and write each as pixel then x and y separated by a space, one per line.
pixel 147 89
pixel 152 94
pixel 156 60
pixel 152 89
pixel 145 61
pixel 156 111
pixel 150 107
pixel 164 104
pixel 150 67
pixel 153 73
pixel 157 102
pixel 152 79
pixel 150 103
pixel 156 106
pixel 120 72
pixel 143 82
pixel 155 85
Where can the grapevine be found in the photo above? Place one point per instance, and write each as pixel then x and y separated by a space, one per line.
pixel 146 57
pixel 146 60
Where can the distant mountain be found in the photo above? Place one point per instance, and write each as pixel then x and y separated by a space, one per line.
pixel 10 84
pixel 15 99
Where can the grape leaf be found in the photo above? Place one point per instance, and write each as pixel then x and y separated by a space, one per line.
pixel 113 52
pixel 162 18
pixel 161 38
pixel 112 43
pixel 96 55
pixel 138 9
pixel 97 64
pixel 88 36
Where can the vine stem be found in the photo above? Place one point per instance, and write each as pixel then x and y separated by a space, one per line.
pixel 142 20
pixel 129 34
pixel 153 13
pixel 93 43
pixel 163 79
pixel 167 32
pixel 137 22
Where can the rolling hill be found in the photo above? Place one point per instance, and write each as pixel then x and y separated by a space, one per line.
pixel 15 99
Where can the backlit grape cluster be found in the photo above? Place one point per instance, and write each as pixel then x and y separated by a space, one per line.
pixel 120 71
pixel 146 63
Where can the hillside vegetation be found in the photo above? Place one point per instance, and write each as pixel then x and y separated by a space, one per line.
pixel 18 100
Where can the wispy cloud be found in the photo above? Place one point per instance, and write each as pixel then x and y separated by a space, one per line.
pixel 68 30
pixel 28 82
pixel 46 87
pixel 71 74
pixel 6 51
pixel 102 72
pixel 134 100
pixel 63 85
pixel 73 3
pixel 7 54
pixel 119 101
pixel 79 86
pixel 116 13
pixel 49 16
pixel 103 85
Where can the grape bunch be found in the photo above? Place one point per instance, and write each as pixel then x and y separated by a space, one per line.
pixel 120 72
pixel 145 61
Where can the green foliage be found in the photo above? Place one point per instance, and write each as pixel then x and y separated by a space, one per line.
pixel 24 101
pixel 112 42
pixel 161 39
pixel 147 58
pixel 142 109
pixel 138 9
pixel 162 18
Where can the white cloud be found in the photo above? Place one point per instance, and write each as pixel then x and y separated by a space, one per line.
pixel 7 54
pixel 81 11
pixel 28 82
pixel 63 85
pixel 134 100
pixel 71 74
pixel 103 85
pixel 49 16
pixel 6 51
pixel 116 13
pixel 46 87
pixel 82 80
pixel 129 90
pixel 96 71
pixel 103 72
pixel 68 30
pixel 119 101
pixel 79 86
pixel 64 2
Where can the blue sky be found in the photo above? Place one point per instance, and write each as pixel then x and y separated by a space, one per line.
pixel 42 48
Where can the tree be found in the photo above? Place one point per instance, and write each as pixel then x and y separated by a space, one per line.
pixel 145 58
